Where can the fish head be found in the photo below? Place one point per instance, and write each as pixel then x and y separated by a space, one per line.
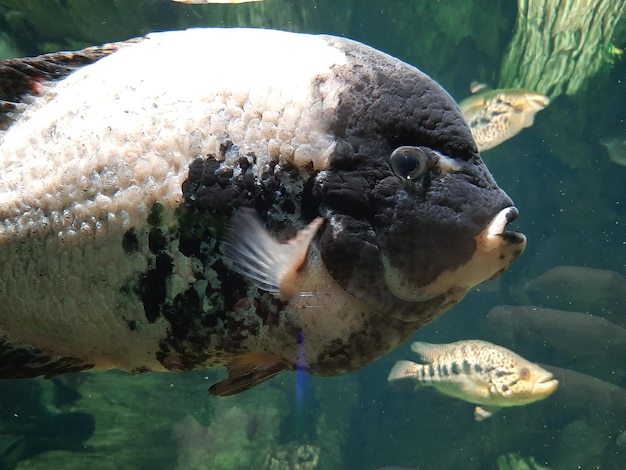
pixel 524 382
pixel 525 104
pixel 414 217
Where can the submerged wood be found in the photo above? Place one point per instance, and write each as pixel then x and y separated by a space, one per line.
pixel 558 44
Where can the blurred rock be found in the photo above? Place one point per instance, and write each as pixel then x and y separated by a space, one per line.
pixel 293 457
pixel 235 438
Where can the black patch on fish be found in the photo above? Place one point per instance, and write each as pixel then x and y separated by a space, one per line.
pixel 20 361
pixel 211 193
pixel 130 241
pixel 397 104
pixel 152 286
pixel 211 187
pixel 157 240
pixel 189 336
pixel 361 347
pixel 423 226
pixel 183 313
pixel 155 217
pixel 208 189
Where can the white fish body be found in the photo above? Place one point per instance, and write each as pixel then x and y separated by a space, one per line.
pixel 125 165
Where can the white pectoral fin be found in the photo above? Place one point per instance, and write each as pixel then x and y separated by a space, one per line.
pixel 270 265
pixel 482 413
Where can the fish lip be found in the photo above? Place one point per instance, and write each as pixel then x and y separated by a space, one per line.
pixel 546 383
pixel 547 377
pixel 494 234
pixel 540 101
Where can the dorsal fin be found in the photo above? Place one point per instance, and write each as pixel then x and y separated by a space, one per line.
pixel 477 87
pixel 20 78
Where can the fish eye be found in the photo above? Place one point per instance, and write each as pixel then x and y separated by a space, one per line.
pixel 409 162
pixel 524 373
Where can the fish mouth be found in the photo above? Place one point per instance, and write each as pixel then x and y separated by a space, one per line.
pixel 495 250
pixel 545 384
pixel 539 102
pixel 494 235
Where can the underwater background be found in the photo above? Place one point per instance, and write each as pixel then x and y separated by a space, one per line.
pixel 562 304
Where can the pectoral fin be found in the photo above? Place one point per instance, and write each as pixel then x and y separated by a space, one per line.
pixel 482 413
pixel 270 265
pixel 246 371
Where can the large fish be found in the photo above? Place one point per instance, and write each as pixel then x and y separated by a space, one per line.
pixel 127 170
pixel 475 371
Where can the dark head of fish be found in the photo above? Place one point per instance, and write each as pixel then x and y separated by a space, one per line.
pixel 424 232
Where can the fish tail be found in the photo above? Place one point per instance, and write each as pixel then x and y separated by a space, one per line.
pixel 405 375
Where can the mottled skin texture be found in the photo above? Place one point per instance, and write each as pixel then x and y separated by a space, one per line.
pixel 177 305
pixel 409 220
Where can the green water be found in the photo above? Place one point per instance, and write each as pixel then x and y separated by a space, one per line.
pixel 572 202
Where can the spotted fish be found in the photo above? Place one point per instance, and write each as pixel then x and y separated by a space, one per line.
pixel 495 116
pixel 475 371
pixel 288 202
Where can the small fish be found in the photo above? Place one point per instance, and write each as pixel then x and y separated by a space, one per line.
pixel 206 2
pixel 616 148
pixel 475 371
pixel 163 208
pixel 497 115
